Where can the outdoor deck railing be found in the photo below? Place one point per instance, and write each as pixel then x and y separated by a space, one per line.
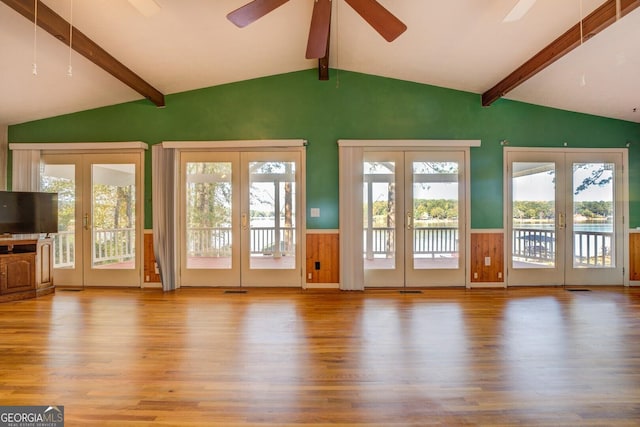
pixel 109 246
pixel 216 241
pixel 430 241
pixel 64 246
pixel 113 245
pixel 590 248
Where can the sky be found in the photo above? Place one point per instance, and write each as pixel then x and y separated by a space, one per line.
pixel 540 187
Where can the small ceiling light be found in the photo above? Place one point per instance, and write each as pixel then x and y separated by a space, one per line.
pixel 583 80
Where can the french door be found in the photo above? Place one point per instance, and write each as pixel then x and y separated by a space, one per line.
pixel 100 217
pixel 240 218
pixel 565 217
pixel 414 207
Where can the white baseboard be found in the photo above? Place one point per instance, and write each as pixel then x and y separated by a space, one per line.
pixel 486 285
pixel 152 285
pixel 322 286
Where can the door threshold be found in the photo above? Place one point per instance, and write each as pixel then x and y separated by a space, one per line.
pixel 235 291
pixel 410 291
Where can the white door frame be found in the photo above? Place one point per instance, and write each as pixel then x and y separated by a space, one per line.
pixel 95 149
pixel 351 180
pixel 298 145
pixel 622 204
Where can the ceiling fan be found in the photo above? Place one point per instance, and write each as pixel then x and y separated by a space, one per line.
pixel 383 21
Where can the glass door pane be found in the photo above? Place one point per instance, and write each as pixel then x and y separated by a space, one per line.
pixel 383 219
pixel 435 215
pixel 536 218
pixel 272 215
pixel 113 216
pixel 112 219
pixel 208 215
pixel 62 173
pixel 533 210
pixel 61 179
pixel 379 210
pixel 593 215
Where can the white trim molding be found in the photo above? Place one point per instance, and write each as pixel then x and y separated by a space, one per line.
pixel 322 231
pixel 409 143
pixel 251 143
pixel 130 145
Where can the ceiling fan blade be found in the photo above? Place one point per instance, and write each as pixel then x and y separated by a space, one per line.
pixel 519 10
pixel 145 7
pixel 253 11
pixel 319 29
pixel 383 21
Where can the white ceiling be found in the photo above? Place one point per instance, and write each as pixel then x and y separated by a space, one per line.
pixel 189 44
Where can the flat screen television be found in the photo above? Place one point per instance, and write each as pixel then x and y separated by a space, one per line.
pixel 25 212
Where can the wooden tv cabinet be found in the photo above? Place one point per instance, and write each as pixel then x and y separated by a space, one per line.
pixel 26 268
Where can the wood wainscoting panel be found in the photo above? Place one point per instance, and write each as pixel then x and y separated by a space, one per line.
pixel 634 256
pixel 323 258
pixel 150 275
pixel 483 246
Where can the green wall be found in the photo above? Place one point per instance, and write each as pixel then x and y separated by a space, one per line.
pixel 349 106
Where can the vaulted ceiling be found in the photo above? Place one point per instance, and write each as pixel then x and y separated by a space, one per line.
pixel 189 44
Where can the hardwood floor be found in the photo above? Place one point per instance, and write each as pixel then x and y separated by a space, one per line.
pixel 542 356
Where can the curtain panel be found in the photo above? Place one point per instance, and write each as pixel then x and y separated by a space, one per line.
pixel 351 226
pixel 163 188
pixel 26 170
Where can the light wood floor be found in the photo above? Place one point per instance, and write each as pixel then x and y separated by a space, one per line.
pixel 282 357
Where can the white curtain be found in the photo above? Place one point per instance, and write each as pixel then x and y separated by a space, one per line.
pixel 351 226
pixel 26 170
pixel 163 186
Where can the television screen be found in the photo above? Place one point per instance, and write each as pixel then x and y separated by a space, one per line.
pixel 23 212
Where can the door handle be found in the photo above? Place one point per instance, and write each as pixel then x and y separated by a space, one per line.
pixel 409 220
pixel 85 221
pixel 562 223
pixel 244 221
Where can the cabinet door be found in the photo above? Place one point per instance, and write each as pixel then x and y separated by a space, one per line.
pixel 16 273
pixel 44 264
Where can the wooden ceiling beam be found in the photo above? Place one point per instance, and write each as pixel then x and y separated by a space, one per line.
pixel 55 25
pixel 598 20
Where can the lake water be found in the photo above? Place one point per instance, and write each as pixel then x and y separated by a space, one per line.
pixel 604 227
